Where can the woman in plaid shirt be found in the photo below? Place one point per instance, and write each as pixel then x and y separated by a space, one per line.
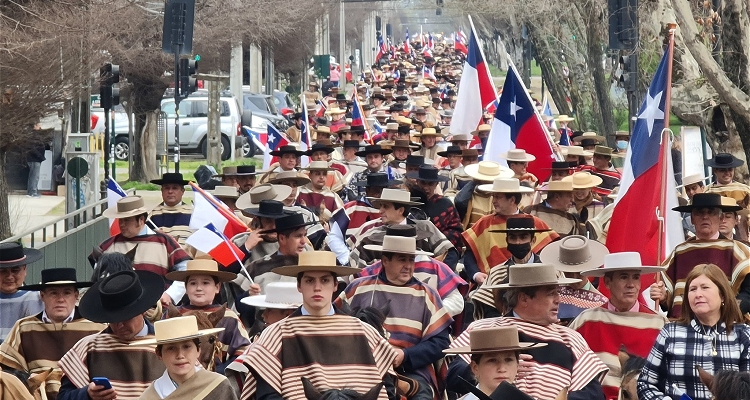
pixel 708 334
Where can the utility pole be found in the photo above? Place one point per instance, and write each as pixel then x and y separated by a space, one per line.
pixel 214 83
pixel 342 41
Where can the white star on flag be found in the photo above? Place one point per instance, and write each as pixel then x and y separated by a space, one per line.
pixel 271 138
pixel 652 112
pixel 514 108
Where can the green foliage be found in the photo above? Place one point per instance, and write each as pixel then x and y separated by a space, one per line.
pixel 139 186
pixel 621 119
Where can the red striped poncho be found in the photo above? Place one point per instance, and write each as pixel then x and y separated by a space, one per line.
pixel 431 272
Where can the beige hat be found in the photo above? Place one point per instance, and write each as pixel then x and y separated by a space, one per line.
pixel 624 261
pixel 265 191
pixel 603 151
pixel 229 192
pixel 574 254
pixel 403 120
pixel 391 126
pixel 323 129
pixel 564 118
pixel 461 138
pixel 228 171
pixel 128 206
pixel 335 110
pixel 318 166
pixel 398 244
pixel 693 179
pixel 505 185
pixel 298 177
pixel 492 340
pixel 398 196
pixel 177 329
pixel 576 151
pixel 201 267
pixel 517 155
pixel 279 295
pixel 589 135
pixel 482 128
pixel 557 186
pixel 529 275
pixel 487 171
pixel 583 180
pixel 315 261
pixel 427 132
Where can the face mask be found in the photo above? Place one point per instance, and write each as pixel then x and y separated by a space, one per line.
pixel 519 250
pixel 622 144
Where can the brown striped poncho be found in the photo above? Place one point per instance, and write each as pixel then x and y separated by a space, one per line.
pixel 34 346
pixel 130 369
pixel 334 352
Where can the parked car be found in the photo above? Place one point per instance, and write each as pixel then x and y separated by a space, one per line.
pixel 120 124
pixel 262 105
pixel 284 103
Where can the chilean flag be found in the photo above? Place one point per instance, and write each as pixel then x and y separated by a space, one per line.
pixel 647 175
pixel 275 140
pixel 459 42
pixel 358 118
pixel 518 124
pixel 304 136
pixel 212 242
pixel 114 193
pixel 428 73
pixel 477 91
pixel 207 209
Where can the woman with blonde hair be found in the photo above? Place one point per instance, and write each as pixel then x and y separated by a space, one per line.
pixel 709 334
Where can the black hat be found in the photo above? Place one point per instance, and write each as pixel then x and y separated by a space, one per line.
pixel 436 99
pixel 404 129
pixel 450 151
pixel 171 177
pixel 297 115
pixel 341 97
pixel 446 100
pixel 378 179
pixel 357 130
pixel 427 173
pixel 121 296
pixel 724 160
pixel 400 87
pixel 245 170
pixel 413 159
pixel 327 147
pixel 12 254
pixel 351 143
pixel 291 221
pixel 560 166
pixel 372 149
pixel 707 200
pixel 588 142
pixel 321 121
pixel 267 209
pixel 288 150
pixel 378 96
pixel 520 223
pixel 396 108
pixel 403 231
pixel 434 90
pixel 402 98
pixel 57 277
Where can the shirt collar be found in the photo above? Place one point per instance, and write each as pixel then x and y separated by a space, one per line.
pixel 145 231
pixel 46 319
pixel 635 307
pixel 304 311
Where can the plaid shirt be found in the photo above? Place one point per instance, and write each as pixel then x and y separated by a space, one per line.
pixel 679 348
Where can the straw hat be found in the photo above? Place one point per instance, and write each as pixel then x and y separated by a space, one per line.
pixel 517 155
pixel 603 151
pixel 391 126
pixel 228 192
pixel 318 166
pixel 693 179
pixel 504 185
pixel 564 118
pixel 576 151
pixel 265 191
pixel 529 275
pixel 299 178
pixel 335 111
pixel 398 244
pixel 428 132
pixel 487 171
pixel 574 254
pixel 583 180
pixel 316 261
pixel 492 340
pixel 624 261
pixel 590 136
pixel 279 295
pixel 397 196
pixel 177 329
pixel 201 267
pixel 128 206
pixel 557 186
pixel 227 171
pixel 482 128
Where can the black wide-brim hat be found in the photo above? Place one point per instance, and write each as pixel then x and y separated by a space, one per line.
pixel 724 160
pixel 267 209
pixel 246 170
pixel 373 149
pixel 320 147
pixel 12 254
pixel 290 221
pixel 287 150
pixel 121 296
pixel 450 151
pixel 357 130
pixel 707 200
pixel 378 180
pixel 427 173
pixel 560 166
pixel 171 177
pixel 56 277
pixel 520 223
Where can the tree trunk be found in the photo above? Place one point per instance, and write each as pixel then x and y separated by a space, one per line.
pixel 551 67
pixel 137 168
pixel 595 34
pixel 148 146
pixel 5 228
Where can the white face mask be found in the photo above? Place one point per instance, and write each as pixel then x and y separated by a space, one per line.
pixel 622 144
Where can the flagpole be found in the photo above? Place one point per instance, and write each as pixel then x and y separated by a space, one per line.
pixel 481 51
pixel 665 139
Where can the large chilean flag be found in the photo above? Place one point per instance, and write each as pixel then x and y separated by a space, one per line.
pixel 518 125
pixel 634 225
pixel 476 91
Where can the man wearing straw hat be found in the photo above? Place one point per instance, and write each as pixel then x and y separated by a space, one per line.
pixel 564 129
pixel 172 216
pixel 316 194
pixel 154 251
pixel 587 205
pixel 554 209
pixel 119 300
pixel 602 167
pixel 418 324
pixel 317 341
pixel 36 343
pixel 623 320
pixel 533 296
pixel 473 204
pixel 428 138
pixel 228 176
pixel 518 160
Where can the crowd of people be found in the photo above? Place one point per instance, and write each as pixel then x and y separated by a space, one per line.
pixel 397 265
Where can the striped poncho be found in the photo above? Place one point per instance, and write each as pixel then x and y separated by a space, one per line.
pixel 174 221
pixel 429 271
pixel 156 252
pixel 566 361
pixel 333 352
pixel 605 331
pixel 735 190
pixel 234 338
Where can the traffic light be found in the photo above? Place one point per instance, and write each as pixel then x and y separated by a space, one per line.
pixel 188 84
pixel 109 74
pixel 629 77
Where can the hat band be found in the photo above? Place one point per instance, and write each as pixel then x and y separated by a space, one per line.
pixel 12 261
pixel 576 263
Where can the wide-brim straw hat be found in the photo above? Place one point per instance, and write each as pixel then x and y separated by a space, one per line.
pixel 517 155
pixel 583 180
pixel 504 185
pixel 121 296
pixel 279 295
pixel 482 128
pixel 227 171
pixel 693 179
pixel 56 277
pixel 576 151
pixel 324 261
pixel 707 200
pixel 396 196
pixel 589 135
pixel 201 267
pixel 299 178
pixel 487 171
pixel 12 254
pixel 262 192
pixel 128 206
pixel 564 118
pixel 492 340
pixel 318 166
pixel 574 254
pixel 227 192
pixel 557 186
pixel 603 151
pixel 428 132
pixel 624 261
pixel 177 329
pixel 530 275
pixel 398 244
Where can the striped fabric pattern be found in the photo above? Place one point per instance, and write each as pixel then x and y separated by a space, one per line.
pixel 732 256
pixel 309 198
pixel 736 190
pixel 234 338
pixel 429 271
pixel 156 252
pixel 605 331
pixel 174 221
pixel 34 346
pixel 130 369
pixel 320 349
pixel 15 306
pixel 566 361
pixel 359 213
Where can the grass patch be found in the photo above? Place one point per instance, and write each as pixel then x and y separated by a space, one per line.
pixel 496 72
pixel 187 168
pixel 139 186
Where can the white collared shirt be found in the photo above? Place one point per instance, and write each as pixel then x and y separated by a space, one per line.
pixel 305 312
pixel 46 319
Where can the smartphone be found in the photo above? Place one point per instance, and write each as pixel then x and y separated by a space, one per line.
pixel 100 381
